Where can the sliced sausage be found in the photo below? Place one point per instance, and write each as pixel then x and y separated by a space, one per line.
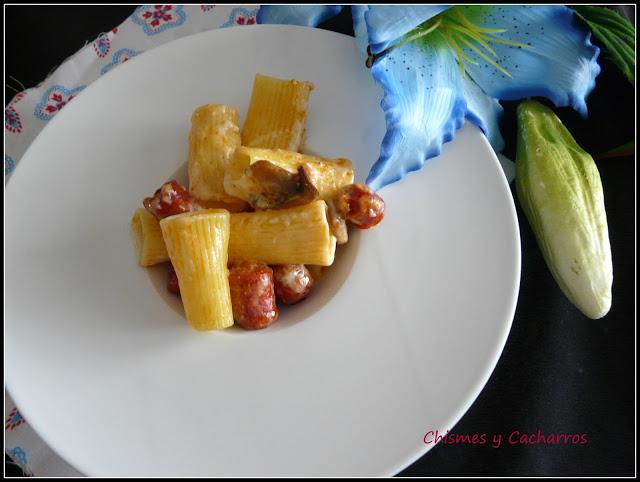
pixel 292 282
pixel 171 198
pixel 253 299
pixel 360 205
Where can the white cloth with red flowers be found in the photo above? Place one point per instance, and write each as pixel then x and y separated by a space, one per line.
pixel 29 111
pixel 149 26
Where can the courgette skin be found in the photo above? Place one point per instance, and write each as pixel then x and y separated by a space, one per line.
pixel 559 188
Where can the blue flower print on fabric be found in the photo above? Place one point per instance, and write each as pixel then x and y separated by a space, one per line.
pixel 18 455
pixel 8 164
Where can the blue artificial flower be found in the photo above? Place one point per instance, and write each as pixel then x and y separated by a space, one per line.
pixel 442 64
pixel 305 15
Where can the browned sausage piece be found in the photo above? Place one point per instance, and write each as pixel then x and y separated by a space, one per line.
pixel 169 199
pixel 292 282
pixel 252 295
pixel 360 205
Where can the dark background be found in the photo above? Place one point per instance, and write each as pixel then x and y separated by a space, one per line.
pixel 560 372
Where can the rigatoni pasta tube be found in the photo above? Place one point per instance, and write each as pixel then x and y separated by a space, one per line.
pixel 327 175
pixel 148 238
pixel 277 113
pixel 213 138
pixel 299 235
pixel 197 243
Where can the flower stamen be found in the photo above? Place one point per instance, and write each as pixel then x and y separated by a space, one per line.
pixel 508 42
pixel 485 56
pixel 472 26
pixel 460 33
pixel 459 53
pixel 421 31
pixel 476 37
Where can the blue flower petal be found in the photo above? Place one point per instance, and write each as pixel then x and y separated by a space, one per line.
pixel 423 104
pixel 360 26
pixel 560 63
pixel 387 23
pixel 484 111
pixel 306 15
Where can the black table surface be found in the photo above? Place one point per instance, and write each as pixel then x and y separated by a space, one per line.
pixel 560 372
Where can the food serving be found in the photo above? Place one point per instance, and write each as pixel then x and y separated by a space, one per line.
pixel 260 220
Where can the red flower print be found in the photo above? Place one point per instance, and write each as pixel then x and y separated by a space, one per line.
pixel 102 45
pixel 156 18
pixel 12 121
pixel 17 97
pixel 14 420
pixel 159 13
pixel 53 100
pixel 59 102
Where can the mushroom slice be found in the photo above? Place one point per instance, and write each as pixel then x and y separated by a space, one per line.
pixel 278 188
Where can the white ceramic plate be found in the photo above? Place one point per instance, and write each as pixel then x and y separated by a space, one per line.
pixel 398 339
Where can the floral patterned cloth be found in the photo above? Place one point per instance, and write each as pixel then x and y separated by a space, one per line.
pixel 148 26
pixel 29 111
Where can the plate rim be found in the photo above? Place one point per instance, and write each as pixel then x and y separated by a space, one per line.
pixel 507 324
